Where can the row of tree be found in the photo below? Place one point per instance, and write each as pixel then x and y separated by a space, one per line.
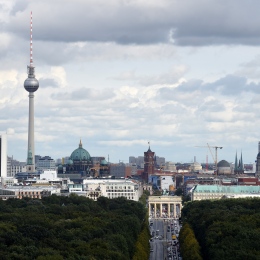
pixel 227 228
pixel 72 228
pixel 189 246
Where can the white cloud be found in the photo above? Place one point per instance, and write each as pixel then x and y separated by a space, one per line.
pixel 5 41
pixel 7 77
pixel 115 79
pixel 10 131
pixel 6 7
pixel 60 75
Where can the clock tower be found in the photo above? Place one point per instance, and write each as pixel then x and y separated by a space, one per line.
pixel 148 164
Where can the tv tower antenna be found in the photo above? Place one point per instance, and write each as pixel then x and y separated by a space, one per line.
pixel 31 44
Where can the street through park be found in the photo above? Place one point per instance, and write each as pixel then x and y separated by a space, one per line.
pixel 164 243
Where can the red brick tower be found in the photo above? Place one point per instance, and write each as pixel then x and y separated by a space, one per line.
pixel 148 164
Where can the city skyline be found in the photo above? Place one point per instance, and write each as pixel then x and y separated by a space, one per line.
pixel 178 75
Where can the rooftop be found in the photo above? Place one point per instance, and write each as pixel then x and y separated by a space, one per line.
pixel 235 189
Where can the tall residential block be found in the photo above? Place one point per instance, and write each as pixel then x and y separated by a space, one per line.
pixel 3 155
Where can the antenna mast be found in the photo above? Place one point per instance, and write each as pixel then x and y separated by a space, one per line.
pixel 31 45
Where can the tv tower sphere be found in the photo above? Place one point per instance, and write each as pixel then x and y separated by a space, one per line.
pixel 31 84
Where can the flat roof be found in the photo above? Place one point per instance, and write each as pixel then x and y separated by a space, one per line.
pixel 236 189
pixel 109 181
pixel 29 188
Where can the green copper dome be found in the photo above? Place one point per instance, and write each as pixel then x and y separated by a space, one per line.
pixel 103 162
pixel 80 154
pixel 70 162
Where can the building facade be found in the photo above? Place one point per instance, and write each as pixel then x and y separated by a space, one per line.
pixel 14 167
pixel 121 170
pixel 109 188
pixel 170 166
pixel 45 163
pixel 3 155
pixel 258 161
pixel 213 192
pixel 20 192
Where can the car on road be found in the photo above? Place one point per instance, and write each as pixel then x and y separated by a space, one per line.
pixel 173 237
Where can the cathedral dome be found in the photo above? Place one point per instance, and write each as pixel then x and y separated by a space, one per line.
pixel 223 163
pixel 224 167
pixel 80 154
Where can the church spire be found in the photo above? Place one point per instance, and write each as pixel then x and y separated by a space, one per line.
pixel 80 143
pixel 241 163
pixel 236 166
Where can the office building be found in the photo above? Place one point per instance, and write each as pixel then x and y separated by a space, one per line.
pixel 45 163
pixel 14 166
pixel 3 155
pixel 121 170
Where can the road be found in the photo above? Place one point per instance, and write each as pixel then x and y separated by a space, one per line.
pixel 163 247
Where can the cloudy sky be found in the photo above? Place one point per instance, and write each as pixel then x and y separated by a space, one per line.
pixel 120 73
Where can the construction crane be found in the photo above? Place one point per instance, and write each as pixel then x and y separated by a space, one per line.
pixel 215 159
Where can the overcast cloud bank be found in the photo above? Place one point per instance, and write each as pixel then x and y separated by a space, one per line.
pixel 118 74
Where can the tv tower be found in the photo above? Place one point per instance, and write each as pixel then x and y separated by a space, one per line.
pixel 31 84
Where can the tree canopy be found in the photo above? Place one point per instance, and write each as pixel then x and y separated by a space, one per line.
pixel 226 229
pixel 70 228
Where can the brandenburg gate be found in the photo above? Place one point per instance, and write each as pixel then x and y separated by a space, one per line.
pixel 164 206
